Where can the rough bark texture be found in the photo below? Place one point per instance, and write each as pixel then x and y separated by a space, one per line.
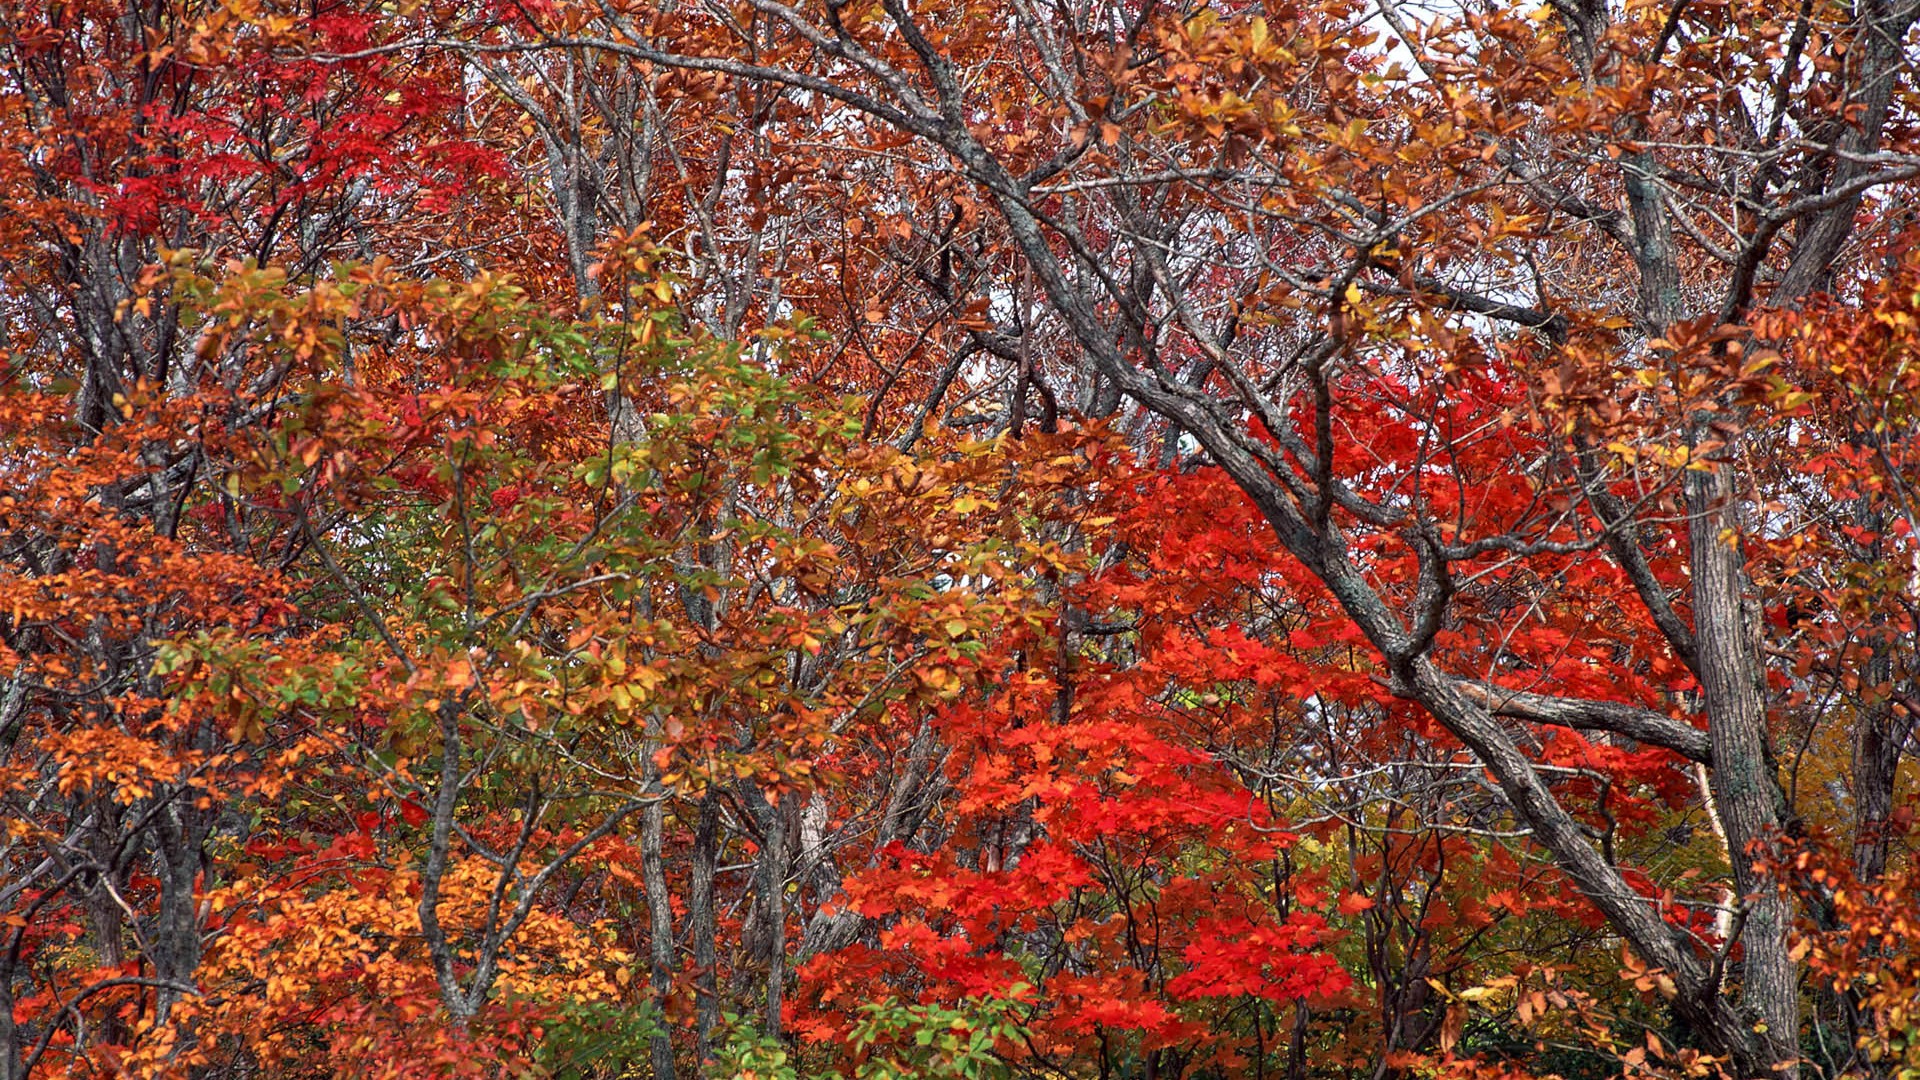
pixel 660 938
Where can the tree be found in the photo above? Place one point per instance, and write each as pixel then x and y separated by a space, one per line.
pixel 1138 539
pixel 1262 229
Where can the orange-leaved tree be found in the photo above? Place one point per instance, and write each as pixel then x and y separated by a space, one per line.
pixel 1123 538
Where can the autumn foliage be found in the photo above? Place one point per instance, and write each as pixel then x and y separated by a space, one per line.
pixel 933 538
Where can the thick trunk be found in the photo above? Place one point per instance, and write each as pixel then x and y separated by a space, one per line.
pixel 1877 745
pixel 12 1065
pixel 700 922
pixel 653 873
pixel 765 938
pixel 174 937
pixel 773 867
pixel 1882 725
pixel 1746 790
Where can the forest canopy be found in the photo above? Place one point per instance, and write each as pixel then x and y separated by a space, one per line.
pixel 1004 539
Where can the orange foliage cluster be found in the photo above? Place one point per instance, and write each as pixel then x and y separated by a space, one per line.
pixel 957 539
